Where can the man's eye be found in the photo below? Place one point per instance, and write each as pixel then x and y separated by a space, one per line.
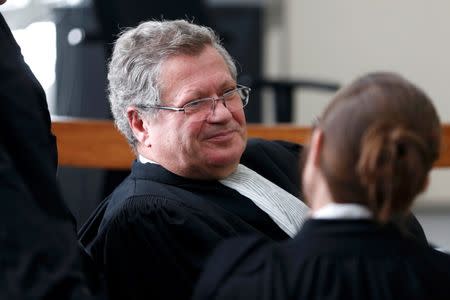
pixel 229 91
pixel 196 104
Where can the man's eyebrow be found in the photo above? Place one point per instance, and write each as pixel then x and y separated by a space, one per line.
pixel 193 94
pixel 229 84
pixel 186 97
pixel 196 94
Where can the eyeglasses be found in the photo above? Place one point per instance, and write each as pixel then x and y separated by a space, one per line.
pixel 200 109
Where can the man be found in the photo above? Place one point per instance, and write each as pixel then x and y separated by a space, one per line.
pixel 174 96
pixel 112 15
pixel 39 254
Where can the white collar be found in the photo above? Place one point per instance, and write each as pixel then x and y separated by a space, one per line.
pixel 286 210
pixel 146 160
pixel 342 211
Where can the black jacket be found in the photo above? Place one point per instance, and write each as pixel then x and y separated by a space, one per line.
pixel 152 235
pixel 39 254
pixel 328 259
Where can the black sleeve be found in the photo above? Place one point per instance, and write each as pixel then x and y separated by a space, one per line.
pixel 412 227
pixel 155 248
pixel 25 127
pixel 39 253
pixel 236 270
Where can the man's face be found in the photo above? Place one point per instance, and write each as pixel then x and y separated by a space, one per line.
pixel 207 149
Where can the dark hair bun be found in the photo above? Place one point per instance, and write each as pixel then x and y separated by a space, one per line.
pixel 392 167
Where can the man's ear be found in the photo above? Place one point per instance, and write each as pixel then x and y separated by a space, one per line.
pixel 139 126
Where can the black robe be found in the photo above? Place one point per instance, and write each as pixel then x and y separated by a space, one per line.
pixel 152 235
pixel 25 127
pixel 39 254
pixel 328 259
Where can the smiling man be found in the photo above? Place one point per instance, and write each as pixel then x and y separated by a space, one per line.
pixel 196 179
pixel 205 138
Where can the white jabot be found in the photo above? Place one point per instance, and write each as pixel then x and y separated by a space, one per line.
pixel 286 210
pixel 146 160
pixel 342 211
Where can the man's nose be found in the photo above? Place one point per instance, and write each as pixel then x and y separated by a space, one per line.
pixel 219 111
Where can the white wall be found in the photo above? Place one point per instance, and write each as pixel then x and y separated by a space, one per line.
pixel 341 39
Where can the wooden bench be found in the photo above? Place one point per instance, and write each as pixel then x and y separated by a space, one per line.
pixel 98 144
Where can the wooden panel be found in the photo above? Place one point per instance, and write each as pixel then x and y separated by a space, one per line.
pixel 98 144
pixel 91 144
pixel 444 159
pixel 290 133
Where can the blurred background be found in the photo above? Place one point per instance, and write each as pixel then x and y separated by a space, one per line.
pixel 293 53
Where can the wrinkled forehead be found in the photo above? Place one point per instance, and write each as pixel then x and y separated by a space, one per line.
pixel 202 70
pixel 161 76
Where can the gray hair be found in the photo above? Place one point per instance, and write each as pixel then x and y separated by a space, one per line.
pixel 137 58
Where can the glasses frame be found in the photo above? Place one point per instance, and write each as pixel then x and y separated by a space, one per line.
pixel 238 88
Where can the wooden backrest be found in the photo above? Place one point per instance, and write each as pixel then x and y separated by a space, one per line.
pixel 98 144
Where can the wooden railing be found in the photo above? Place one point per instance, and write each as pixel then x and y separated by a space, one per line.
pixel 97 143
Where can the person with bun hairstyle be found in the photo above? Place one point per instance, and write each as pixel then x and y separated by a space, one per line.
pixel 370 156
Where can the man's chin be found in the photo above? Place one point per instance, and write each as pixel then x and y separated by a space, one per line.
pixel 223 165
pixel 229 154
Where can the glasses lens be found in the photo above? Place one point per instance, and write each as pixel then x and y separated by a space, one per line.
pixel 244 93
pixel 234 100
pixel 198 109
pixel 237 99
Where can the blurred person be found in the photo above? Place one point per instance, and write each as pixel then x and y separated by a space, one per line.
pixel 196 181
pixel 39 254
pixel 370 156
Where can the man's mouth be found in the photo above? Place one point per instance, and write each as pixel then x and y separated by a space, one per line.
pixel 223 135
